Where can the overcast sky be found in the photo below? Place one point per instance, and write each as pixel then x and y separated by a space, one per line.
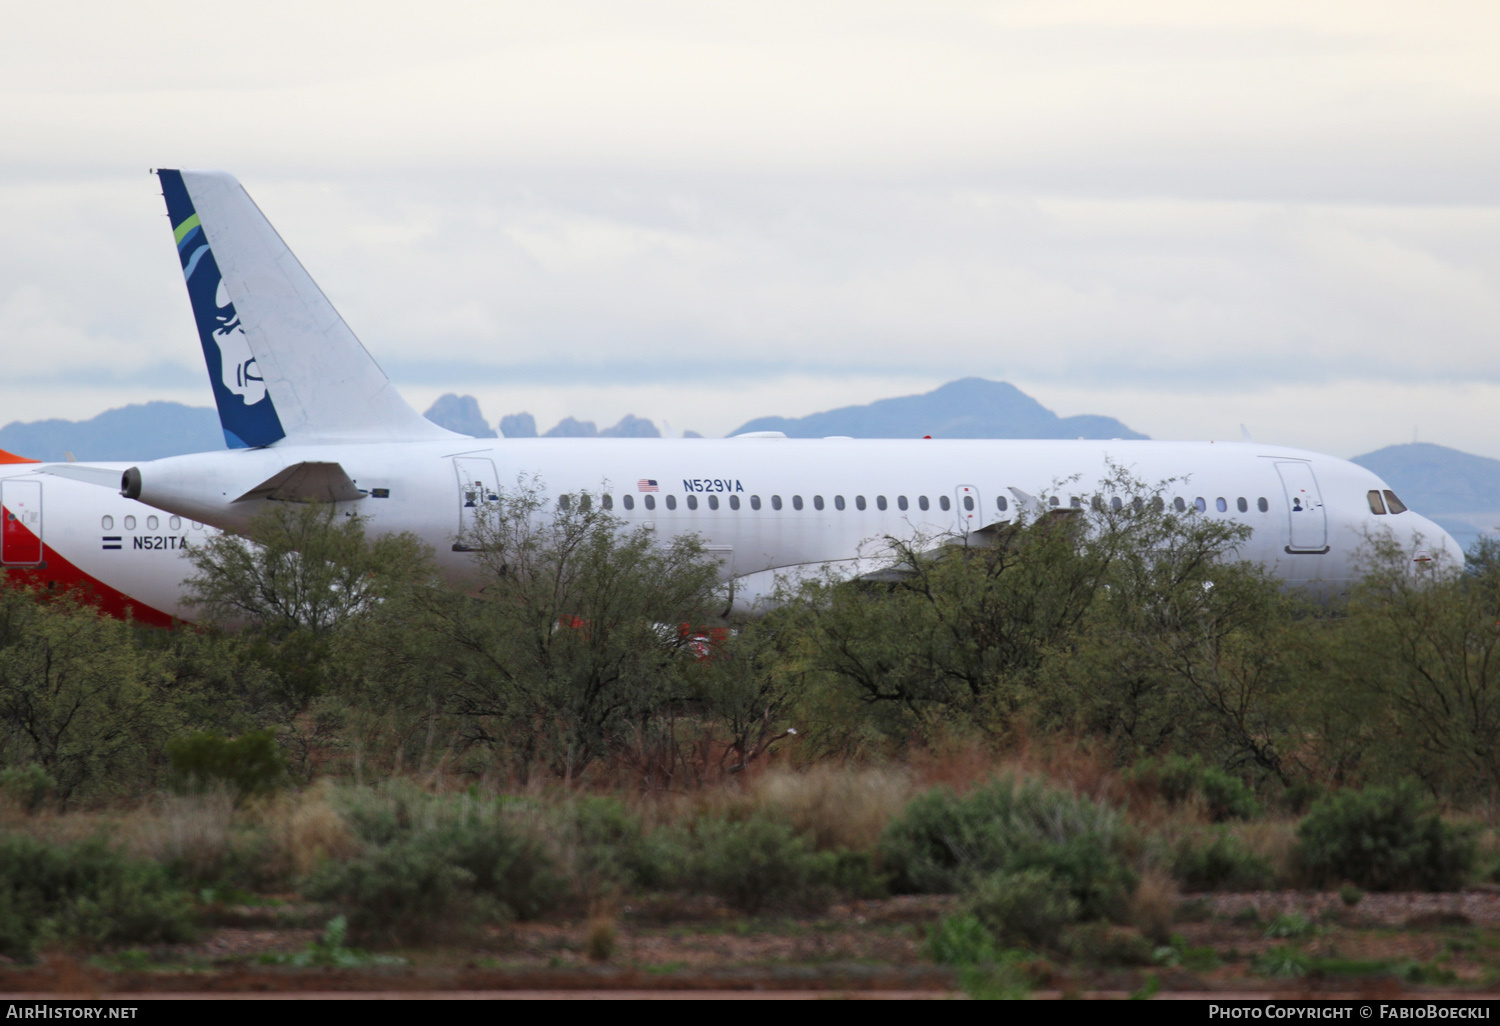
pixel 1185 215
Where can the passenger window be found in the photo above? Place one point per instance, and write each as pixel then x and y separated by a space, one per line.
pixel 649 500
pixel 859 502
pixel 922 503
pixel 1115 503
pixel 628 500
pixel 197 526
pixel 755 502
pixel 734 502
pixel 901 502
pixel 1098 503
pixel 713 502
pixel 1262 505
pixel 107 522
pixel 969 503
pixel 607 501
pixel 1074 502
pixel 1395 504
pixel 1200 504
pixel 1158 504
pixel 1244 506
pixel 671 501
pixel 564 502
pixel 1220 504
pixel 838 502
pixel 130 523
pixel 152 523
pixel 796 502
pixel 1179 504
pixel 817 502
pixel 880 503
pixel 945 503
pixel 692 502
pixel 1001 503
pixel 585 502
pixel 775 502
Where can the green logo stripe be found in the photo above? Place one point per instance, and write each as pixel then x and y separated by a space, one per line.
pixel 185 227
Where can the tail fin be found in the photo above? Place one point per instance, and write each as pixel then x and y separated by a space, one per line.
pixel 282 361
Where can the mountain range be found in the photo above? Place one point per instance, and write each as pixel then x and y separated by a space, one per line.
pixel 1458 490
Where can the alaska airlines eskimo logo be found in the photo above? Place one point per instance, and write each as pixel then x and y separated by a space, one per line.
pixel 237 368
pixel 237 363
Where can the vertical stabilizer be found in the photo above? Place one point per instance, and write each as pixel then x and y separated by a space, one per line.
pixel 282 361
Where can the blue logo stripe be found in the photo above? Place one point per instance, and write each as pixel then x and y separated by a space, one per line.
pixel 192 264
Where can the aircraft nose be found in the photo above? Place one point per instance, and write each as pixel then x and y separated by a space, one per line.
pixel 1435 548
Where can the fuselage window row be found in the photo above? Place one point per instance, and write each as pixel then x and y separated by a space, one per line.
pixel 1380 503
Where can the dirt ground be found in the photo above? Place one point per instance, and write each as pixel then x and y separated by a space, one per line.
pixel 1386 945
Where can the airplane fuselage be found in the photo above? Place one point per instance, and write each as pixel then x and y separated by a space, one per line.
pixel 763 505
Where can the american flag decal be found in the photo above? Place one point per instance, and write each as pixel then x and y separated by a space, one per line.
pixel 645 484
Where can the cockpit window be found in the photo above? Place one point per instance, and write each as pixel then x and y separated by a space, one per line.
pixel 1376 506
pixel 1395 504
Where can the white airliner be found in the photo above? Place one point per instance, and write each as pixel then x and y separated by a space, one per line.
pixel 309 415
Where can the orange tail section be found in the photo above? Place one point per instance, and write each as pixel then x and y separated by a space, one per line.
pixel 10 457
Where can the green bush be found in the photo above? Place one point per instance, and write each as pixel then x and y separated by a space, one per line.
pixel 437 864
pixel 1383 839
pixel 1226 797
pixel 758 864
pixel 406 891
pixel 249 764
pixel 961 941
pixel 84 895
pixel 942 842
pixel 1179 778
pixel 1030 907
pixel 1223 863
pixel 27 786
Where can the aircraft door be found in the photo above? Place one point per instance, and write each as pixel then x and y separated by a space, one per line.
pixel 478 489
pixel 21 533
pixel 1308 520
pixel 970 509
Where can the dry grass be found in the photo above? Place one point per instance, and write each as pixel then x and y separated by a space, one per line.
pixel 305 829
pixel 1275 840
pixel 194 832
pixel 834 806
pixel 1154 904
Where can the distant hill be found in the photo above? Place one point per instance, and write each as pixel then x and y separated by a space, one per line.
pixel 968 408
pixel 137 432
pixel 459 413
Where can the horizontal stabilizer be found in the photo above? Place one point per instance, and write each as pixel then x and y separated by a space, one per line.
pixel 105 477
pixel 307 482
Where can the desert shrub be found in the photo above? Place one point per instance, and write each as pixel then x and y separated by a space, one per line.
pixel 406 891
pixel 943 841
pixel 439 863
pixel 758 864
pixel 1222 863
pixel 27 786
pixel 1226 797
pixel 506 863
pixel 249 764
pixel 1179 779
pixel 610 850
pixel 1384 838
pixel 84 895
pixel 961 940
pixel 1030 907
